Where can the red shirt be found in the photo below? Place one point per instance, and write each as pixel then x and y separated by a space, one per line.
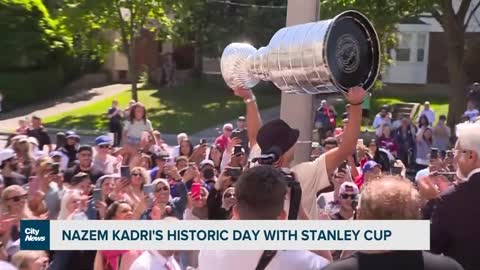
pixel 222 141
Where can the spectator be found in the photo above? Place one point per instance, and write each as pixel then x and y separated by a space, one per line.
pixel 156 260
pixel 30 260
pixel 116 259
pixel 380 201
pixel 216 155
pixel 428 112
pixel 160 160
pixel 85 155
pixel 40 133
pixel 70 148
pixel 423 122
pixel 81 182
pixel 9 167
pixel 441 135
pixel 134 193
pixel 329 144
pixel 176 149
pixel 378 155
pixel 222 140
pixel 325 120
pixel 382 118
pixel 51 187
pixel 347 200
pixel 371 170
pixel 454 233
pixel 163 205
pixel 260 194
pixel 14 202
pixel 328 201
pixel 424 144
pixel 60 140
pixel 208 173
pixel 241 132
pixel 186 148
pixel 61 159
pixel 135 127
pixel 103 161
pixel 386 140
pixel 73 205
pixel 471 112
pixel 22 127
pixel 227 179
pixel 405 140
pixel 115 116
pixel 25 156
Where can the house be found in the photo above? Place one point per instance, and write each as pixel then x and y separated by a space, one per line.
pixel 420 56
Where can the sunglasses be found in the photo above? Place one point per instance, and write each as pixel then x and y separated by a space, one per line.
pixel 17 198
pixel 137 174
pixel 164 188
pixel 346 196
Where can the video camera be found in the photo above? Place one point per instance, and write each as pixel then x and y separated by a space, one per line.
pixel 269 159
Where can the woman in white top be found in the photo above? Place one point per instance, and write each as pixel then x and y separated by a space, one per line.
pixel 135 127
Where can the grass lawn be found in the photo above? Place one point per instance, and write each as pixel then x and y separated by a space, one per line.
pixel 188 108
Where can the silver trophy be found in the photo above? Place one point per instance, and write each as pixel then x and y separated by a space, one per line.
pixel 319 57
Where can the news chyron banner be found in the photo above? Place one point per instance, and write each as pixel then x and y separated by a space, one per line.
pixel 224 235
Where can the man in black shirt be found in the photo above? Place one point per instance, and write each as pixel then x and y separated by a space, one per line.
pixel 392 198
pixel 9 166
pixel 40 133
pixel 85 154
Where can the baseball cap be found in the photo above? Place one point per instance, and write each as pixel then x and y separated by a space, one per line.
pixel 241 118
pixel 277 133
pixel 55 154
pixel 427 103
pixel 103 140
pixel 100 180
pixel 71 135
pixel 228 126
pixel 6 154
pixel 349 187
pixel 206 162
pixel 33 140
pixel 369 165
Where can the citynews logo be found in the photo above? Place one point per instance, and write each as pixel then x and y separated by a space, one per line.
pixel 33 235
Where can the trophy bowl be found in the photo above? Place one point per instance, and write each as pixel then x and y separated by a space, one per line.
pixel 319 57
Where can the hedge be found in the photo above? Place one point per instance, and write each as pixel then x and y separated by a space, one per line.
pixel 28 87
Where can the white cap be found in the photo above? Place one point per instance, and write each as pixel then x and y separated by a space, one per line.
pixel 228 126
pixel 427 103
pixel 349 187
pixel 6 154
pixel 33 140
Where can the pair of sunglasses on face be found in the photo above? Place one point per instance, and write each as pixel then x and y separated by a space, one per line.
pixel 347 196
pixel 17 198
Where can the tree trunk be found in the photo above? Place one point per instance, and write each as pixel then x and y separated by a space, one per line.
pixel 132 67
pixel 456 70
pixel 198 58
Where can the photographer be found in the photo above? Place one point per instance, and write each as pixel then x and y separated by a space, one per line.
pixel 214 202
pixel 313 176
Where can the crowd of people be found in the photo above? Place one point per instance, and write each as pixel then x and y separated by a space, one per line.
pixel 246 174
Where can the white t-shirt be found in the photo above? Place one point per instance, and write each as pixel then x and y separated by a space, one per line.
pixel 109 166
pixel 246 260
pixel 137 128
pixel 312 177
pixel 152 260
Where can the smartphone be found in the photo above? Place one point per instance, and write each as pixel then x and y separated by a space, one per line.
pixel 343 167
pixel 237 149
pixel 235 134
pixel 449 154
pixel 396 170
pixel 125 172
pixel 449 175
pixel 360 143
pixel 434 153
pixel 55 168
pixel 195 190
pixel 203 141
pixel 148 189
pixel 97 194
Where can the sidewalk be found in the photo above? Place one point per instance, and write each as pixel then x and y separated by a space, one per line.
pixel 9 121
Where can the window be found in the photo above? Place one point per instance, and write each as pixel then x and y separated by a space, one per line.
pixel 421 43
pixel 403 48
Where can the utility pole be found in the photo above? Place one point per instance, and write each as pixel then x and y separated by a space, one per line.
pixel 297 110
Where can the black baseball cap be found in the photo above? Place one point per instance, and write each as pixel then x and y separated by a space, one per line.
pixel 277 133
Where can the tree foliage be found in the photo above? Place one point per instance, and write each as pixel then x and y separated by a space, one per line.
pixel 90 19
pixel 30 38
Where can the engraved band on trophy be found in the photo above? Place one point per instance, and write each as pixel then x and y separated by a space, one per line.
pixel 319 57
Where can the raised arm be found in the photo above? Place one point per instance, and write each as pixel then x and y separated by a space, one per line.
pixel 335 157
pixel 254 120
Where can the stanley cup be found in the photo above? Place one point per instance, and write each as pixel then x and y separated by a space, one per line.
pixel 319 57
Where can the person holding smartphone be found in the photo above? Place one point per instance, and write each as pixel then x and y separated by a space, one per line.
pixel 227 178
pixel 163 204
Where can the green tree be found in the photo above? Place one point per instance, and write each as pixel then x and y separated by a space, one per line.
pixel 127 17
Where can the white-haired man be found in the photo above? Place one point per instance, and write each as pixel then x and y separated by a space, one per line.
pixel 455 230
